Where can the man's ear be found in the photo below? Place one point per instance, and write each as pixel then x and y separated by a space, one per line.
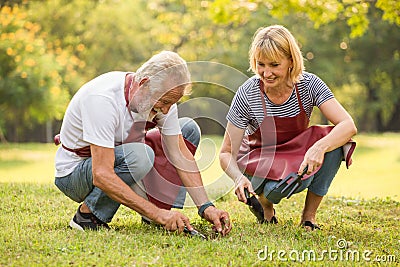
pixel 143 81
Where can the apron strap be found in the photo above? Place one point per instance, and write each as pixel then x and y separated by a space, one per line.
pixel 265 106
pixel 126 90
pixel 262 98
pixel 299 99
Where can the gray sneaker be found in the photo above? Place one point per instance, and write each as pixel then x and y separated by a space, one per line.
pixel 84 221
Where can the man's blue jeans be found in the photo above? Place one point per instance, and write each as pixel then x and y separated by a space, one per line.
pixel 318 183
pixel 132 162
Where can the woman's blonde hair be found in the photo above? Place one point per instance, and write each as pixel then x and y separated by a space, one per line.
pixel 275 42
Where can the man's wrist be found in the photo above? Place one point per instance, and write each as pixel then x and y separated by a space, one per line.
pixel 204 207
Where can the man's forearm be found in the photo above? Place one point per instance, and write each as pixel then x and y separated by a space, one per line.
pixel 194 185
pixel 182 159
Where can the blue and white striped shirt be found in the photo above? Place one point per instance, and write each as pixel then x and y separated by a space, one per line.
pixel 246 109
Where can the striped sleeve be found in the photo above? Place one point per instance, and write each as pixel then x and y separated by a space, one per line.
pixel 320 92
pixel 238 113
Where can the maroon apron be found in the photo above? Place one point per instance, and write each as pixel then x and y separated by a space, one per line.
pixel 278 146
pixel 162 182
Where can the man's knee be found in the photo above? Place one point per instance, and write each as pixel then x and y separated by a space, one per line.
pixel 190 130
pixel 139 159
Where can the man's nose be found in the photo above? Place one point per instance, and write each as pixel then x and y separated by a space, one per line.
pixel 165 109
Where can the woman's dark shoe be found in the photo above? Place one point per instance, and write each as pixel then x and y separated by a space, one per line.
pixel 273 220
pixel 311 225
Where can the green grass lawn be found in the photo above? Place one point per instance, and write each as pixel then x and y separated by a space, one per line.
pixel 360 219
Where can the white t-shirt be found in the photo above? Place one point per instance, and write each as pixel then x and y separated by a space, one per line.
pixel 97 114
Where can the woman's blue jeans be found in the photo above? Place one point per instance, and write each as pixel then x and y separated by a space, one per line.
pixel 318 183
pixel 132 162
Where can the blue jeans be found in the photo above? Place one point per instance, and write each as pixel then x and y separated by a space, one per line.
pixel 318 183
pixel 130 165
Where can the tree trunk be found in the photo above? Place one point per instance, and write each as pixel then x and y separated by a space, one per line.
pixel 394 122
pixel 3 139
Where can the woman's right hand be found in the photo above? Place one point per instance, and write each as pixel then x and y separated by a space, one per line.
pixel 241 184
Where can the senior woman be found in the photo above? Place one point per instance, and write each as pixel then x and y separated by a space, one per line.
pixel 268 135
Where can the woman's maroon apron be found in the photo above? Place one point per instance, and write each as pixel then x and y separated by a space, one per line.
pixel 278 146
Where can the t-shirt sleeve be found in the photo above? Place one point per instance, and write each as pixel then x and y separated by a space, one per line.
pixel 99 120
pixel 238 113
pixel 169 123
pixel 320 92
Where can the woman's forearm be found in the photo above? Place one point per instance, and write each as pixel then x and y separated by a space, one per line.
pixel 340 135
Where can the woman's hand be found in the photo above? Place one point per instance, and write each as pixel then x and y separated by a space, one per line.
pixel 342 132
pixel 242 183
pixel 313 158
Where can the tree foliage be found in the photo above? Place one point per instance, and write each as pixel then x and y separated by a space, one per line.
pixel 31 78
pixel 49 48
pixel 320 12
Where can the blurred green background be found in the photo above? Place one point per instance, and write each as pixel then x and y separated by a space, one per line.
pixel 48 49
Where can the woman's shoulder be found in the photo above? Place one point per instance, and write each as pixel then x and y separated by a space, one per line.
pixel 307 77
pixel 311 82
pixel 251 84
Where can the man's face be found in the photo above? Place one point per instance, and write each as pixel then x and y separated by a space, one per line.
pixel 164 103
pixel 144 102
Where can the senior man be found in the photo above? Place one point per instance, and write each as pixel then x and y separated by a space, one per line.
pixel 105 150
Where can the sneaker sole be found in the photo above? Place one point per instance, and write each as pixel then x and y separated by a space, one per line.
pixel 74 225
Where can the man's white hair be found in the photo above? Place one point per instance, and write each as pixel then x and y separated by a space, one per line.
pixel 165 70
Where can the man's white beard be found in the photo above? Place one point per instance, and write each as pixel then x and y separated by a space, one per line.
pixel 146 112
pixel 144 106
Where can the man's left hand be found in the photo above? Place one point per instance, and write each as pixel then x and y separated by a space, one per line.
pixel 219 218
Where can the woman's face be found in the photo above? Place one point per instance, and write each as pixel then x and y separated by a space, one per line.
pixel 274 74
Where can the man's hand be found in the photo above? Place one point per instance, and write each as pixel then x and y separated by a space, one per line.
pixel 219 218
pixel 173 220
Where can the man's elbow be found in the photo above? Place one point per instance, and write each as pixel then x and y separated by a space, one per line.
pixel 99 178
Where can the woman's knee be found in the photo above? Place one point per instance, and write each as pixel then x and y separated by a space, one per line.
pixel 190 130
pixel 323 178
pixel 331 164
